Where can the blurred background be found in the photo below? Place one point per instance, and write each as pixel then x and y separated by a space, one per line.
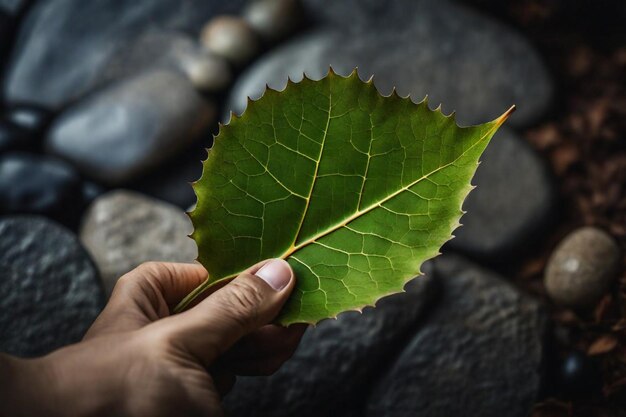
pixel 107 108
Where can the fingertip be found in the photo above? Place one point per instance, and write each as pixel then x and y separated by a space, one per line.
pixel 277 273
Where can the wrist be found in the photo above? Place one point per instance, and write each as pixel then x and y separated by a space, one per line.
pixel 26 387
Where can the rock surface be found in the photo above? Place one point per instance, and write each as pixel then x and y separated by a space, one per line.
pixel 582 267
pixel 36 184
pixel 512 205
pixel 123 229
pixel 479 352
pixel 361 15
pixel 459 58
pixel 172 181
pixel 122 132
pixel 63 45
pixel 49 289
pixel 168 50
pixel 336 361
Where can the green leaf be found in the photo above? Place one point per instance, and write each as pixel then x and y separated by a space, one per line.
pixel 355 190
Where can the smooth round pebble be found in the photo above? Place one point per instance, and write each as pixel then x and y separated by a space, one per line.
pixel 232 38
pixel 273 19
pixel 582 268
pixel 31 118
pixel 33 184
pixel 207 72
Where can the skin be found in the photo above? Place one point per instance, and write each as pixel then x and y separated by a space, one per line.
pixel 139 360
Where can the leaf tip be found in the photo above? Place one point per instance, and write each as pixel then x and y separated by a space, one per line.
pixel 500 120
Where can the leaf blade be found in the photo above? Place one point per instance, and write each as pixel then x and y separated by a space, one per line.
pixel 336 165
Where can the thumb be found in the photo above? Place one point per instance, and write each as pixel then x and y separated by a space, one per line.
pixel 250 301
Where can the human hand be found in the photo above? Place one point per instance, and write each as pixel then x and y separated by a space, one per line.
pixel 138 360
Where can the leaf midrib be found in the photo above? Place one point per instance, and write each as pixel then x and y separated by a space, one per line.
pixel 379 203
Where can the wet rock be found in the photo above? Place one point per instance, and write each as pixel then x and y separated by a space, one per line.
pixel 462 59
pixel 64 45
pixel 478 353
pixel 33 184
pixel 336 361
pixel 49 289
pixel 274 20
pixel 125 131
pixel 123 229
pixel 582 268
pixel 513 204
pixel 232 38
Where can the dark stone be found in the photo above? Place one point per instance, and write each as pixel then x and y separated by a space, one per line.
pixel 49 289
pixel 123 132
pixel 31 118
pixel 462 59
pixel 13 138
pixel 63 45
pixel 91 191
pixel 361 15
pixel 479 352
pixel 172 181
pixel 336 361
pixel 579 375
pixel 22 128
pixel 13 7
pixel 513 203
pixel 7 26
pixel 32 184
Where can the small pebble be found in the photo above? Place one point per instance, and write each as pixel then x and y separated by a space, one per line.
pixel 582 268
pixel 208 73
pixel 232 38
pixel 273 19
pixel 32 118
pixel 578 374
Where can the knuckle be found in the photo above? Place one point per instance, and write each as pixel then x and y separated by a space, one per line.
pixel 245 299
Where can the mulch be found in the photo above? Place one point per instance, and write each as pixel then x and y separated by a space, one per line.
pixel 584 143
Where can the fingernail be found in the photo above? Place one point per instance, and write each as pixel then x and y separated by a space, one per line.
pixel 276 273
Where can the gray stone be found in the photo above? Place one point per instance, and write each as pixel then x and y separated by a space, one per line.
pixel 479 352
pixel 512 205
pixel 12 7
pixel 361 15
pixel 124 131
pixel 274 19
pixel 49 289
pixel 336 361
pixel 172 181
pixel 169 50
pixel 63 45
pixel 232 38
pixel 123 229
pixel 582 267
pixel 459 58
